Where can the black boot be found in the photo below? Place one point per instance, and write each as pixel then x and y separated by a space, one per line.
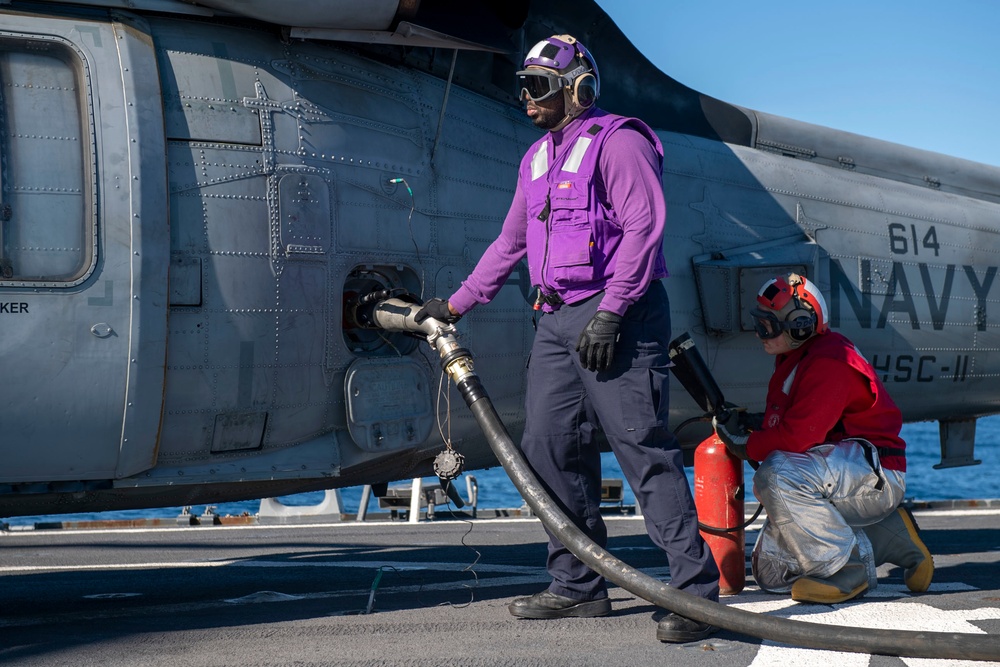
pixel 550 605
pixel 678 629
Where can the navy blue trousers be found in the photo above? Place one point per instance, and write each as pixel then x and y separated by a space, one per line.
pixel 565 406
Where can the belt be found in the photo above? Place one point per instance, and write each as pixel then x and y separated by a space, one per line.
pixel 552 299
pixel 890 451
pixel 868 447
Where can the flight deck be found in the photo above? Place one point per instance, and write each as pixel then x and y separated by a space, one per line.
pixel 384 592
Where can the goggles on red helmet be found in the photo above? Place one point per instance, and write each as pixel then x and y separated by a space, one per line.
pixel 767 325
pixel 789 304
pixel 539 84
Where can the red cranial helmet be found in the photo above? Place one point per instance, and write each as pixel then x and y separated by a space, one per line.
pixel 792 305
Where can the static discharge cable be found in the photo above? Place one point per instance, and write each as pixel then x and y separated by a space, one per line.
pixel 409 218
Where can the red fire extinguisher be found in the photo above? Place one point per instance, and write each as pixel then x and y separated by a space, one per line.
pixel 718 497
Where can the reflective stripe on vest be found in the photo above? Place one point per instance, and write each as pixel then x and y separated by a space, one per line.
pixel 540 162
pixel 787 385
pixel 575 158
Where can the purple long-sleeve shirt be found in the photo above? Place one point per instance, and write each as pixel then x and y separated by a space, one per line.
pixel 628 175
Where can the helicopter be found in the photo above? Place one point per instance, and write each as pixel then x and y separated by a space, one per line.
pixel 196 197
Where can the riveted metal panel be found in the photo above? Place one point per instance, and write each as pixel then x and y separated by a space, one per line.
pixel 96 351
pixel 185 281
pixel 238 431
pixel 388 404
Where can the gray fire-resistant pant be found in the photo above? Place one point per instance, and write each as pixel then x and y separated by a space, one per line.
pixel 816 503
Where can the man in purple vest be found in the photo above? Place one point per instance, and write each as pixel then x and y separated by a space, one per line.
pixel 589 213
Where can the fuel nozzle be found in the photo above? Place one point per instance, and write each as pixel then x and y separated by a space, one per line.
pixel 400 314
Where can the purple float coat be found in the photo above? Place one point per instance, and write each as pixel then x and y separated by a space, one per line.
pixel 604 230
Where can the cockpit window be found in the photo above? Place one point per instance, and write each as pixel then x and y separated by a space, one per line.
pixel 47 231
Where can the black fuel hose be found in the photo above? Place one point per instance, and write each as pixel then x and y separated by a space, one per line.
pixel 903 643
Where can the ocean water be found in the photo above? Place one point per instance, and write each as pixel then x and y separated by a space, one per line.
pixel 923 482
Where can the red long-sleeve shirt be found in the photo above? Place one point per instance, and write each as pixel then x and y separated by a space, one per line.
pixel 822 392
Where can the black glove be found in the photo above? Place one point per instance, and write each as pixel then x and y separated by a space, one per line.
pixel 439 310
pixel 597 342
pixel 732 434
pixel 751 421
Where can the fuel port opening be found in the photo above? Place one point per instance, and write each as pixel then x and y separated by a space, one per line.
pixel 360 336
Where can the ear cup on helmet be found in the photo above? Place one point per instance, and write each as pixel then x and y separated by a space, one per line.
pixel 585 90
pixel 805 324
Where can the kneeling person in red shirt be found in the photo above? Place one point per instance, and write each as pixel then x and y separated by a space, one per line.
pixel 832 472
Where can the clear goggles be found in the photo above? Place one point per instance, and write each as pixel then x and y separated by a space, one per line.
pixel 767 325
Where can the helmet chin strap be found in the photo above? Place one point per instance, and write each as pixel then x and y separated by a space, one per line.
pixel 792 343
pixel 569 104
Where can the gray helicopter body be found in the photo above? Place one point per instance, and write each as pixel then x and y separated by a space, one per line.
pixel 194 196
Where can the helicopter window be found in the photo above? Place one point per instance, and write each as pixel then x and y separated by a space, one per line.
pixel 46 229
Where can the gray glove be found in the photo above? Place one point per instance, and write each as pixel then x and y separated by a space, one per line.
pixel 439 310
pixel 597 342
pixel 732 434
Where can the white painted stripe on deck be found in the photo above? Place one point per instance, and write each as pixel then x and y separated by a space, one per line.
pixel 869 612
pixel 18 531
pixel 14 569
pixel 402 566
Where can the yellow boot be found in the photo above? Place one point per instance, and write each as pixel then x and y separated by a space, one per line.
pixel 896 539
pixel 847 583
